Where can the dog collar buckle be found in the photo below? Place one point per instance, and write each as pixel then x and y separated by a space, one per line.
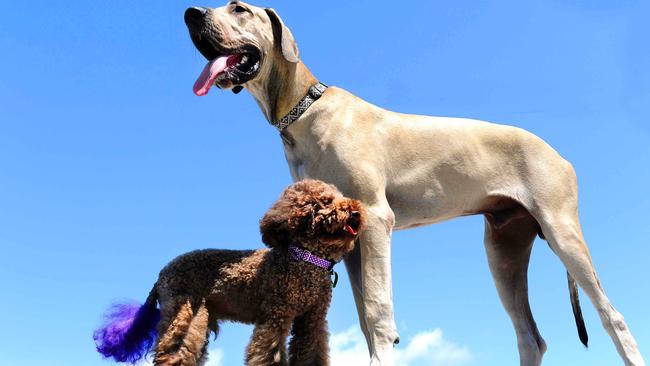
pixel 336 277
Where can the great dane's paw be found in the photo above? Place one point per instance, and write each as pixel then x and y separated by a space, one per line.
pixel 383 357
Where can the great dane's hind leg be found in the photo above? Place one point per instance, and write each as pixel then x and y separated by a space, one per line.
pixel 564 235
pixel 376 284
pixel 508 250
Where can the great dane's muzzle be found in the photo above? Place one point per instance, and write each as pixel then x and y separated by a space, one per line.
pixel 227 67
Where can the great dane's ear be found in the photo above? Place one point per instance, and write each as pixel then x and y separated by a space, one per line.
pixel 281 32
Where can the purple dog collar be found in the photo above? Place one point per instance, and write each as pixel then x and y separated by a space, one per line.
pixel 304 255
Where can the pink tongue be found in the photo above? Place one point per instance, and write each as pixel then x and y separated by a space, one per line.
pixel 350 230
pixel 210 73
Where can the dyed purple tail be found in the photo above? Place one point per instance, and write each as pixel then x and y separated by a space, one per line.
pixel 130 330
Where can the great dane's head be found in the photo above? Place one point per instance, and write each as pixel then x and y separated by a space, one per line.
pixel 241 43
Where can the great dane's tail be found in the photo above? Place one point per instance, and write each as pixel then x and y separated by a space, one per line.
pixel 577 312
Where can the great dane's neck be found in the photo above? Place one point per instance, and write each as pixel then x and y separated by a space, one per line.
pixel 282 88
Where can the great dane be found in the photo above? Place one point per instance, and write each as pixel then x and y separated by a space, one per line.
pixel 409 170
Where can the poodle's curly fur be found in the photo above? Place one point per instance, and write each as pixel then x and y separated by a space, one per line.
pixel 265 287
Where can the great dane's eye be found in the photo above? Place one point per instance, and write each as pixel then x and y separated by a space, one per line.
pixel 239 9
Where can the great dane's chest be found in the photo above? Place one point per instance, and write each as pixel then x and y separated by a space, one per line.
pixel 310 159
pixel 295 161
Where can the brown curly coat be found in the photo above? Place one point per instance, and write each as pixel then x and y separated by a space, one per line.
pixel 263 287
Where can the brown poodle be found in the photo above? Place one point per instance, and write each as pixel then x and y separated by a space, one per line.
pixel 283 289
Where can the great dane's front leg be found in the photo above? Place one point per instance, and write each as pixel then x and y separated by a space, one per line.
pixel 353 266
pixel 376 284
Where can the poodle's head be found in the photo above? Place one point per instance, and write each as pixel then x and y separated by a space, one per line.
pixel 315 216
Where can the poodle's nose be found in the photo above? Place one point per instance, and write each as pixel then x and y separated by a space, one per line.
pixel 355 219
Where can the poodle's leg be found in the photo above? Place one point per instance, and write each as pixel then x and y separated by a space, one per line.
pixel 377 283
pixel 185 339
pixel 204 351
pixel 309 339
pixel 268 343
pixel 353 266
pixel 172 327
pixel 213 326
pixel 563 233
pixel 508 250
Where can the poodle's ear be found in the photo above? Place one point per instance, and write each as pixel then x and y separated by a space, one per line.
pixel 274 228
pixel 287 220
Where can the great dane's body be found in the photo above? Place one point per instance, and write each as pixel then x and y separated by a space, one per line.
pixel 409 171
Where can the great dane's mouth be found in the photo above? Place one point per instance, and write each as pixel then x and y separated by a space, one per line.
pixel 225 67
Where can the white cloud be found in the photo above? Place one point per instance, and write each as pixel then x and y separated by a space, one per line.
pixel 432 349
pixel 349 348
pixel 425 348
pixel 215 357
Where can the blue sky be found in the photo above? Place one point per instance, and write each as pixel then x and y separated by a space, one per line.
pixel 110 166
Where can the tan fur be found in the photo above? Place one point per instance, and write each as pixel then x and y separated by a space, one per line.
pixel 264 287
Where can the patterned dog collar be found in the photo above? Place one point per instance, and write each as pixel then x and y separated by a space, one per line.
pixel 304 255
pixel 314 92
